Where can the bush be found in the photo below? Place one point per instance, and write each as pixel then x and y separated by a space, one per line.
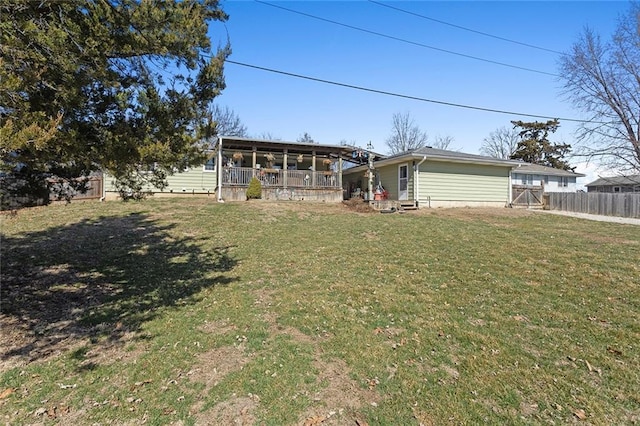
pixel 254 191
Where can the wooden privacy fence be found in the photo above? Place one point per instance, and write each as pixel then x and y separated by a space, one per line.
pixel 609 204
pixel 94 189
pixel 526 196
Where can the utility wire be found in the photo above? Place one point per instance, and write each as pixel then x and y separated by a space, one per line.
pixel 464 28
pixel 426 46
pixel 399 95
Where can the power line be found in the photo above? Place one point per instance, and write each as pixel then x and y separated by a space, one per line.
pixel 415 43
pixel 399 95
pixel 465 28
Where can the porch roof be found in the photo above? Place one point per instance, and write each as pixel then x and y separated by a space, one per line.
pixel 336 151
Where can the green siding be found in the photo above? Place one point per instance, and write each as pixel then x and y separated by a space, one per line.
pixel 388 175
pixel 194 180
pixel 444 181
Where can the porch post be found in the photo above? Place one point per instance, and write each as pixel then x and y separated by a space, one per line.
pixel 370 184
pixel 285 167
pixel 313 169
pixel 219 168
pixel 340 172
pixel 253 157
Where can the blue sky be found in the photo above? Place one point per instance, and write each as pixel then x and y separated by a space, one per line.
pixel 286 107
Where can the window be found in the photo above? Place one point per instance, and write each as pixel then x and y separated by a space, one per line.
pixel 210 165
pixel 563 181
pixel 150 168
pixel 616 189
pixel 527 179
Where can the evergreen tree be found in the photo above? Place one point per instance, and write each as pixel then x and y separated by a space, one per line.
pixel 534 146
pixel 114 85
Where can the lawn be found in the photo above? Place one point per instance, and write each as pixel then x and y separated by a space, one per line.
pixel 173 311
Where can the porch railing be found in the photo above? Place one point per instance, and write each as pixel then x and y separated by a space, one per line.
pixel 241 176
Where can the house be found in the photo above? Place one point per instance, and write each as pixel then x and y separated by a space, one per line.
pixel 286 170
pixel 429 177
pixel 547 178
pixel 529 182
pixel 615 184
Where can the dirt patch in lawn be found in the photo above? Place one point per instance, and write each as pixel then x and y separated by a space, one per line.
pixel 340 396
pixel 339 401
pixel 211 367
pixel 235 411
pixel 357 205
pixel 217 327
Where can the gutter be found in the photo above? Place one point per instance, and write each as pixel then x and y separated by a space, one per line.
pixel 104 187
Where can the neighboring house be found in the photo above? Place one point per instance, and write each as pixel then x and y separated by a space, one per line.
pixel 546 178
pixel 429 177
pixel 287 171
pixel 615 184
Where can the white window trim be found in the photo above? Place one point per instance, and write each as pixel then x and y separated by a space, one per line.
pixel 204 166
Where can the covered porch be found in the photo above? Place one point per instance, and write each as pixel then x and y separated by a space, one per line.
pixel 286 170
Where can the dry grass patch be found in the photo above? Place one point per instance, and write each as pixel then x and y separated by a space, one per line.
pixel 238 411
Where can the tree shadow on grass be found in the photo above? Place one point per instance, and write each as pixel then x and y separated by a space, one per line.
pixel 98 280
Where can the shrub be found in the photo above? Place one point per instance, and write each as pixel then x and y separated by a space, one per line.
pixel 254 191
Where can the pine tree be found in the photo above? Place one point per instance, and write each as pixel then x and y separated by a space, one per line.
pixel 534 146
pixel 121 86
pixel 254 191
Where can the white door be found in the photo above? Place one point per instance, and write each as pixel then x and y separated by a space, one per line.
pixel 403 182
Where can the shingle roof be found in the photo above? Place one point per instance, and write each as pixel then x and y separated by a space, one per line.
pixel 536 169
pixel 616 180
pixel 443 154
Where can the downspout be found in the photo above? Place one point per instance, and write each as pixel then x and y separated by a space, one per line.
pixel 416 179
pixel 104 188
pixel 510 194
pixel 219 169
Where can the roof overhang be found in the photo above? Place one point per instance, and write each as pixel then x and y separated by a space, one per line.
pixel 450 159
pixel 336 151
pixel 534 169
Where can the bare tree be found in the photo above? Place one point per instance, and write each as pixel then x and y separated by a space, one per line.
pixel 442 142
pixel 268 136
pixel 305 138
pixel 405 134
pixel 501 143
pixel 603 80
pixel 227 122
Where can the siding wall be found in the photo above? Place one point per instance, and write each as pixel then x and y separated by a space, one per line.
pixel 192 181
pixel 455 184
pixel 388 176
pixel 552 184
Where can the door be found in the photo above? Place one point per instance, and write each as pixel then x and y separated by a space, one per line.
pixel 403 182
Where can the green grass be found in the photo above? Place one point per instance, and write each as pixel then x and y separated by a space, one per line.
pixel 186 310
